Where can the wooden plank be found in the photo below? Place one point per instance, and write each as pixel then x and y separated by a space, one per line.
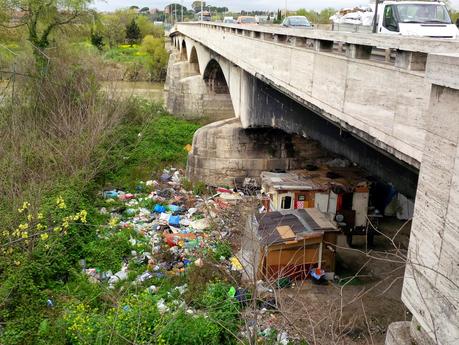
pixel 285 232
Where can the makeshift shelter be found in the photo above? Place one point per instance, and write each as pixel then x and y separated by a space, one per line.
pixel 288 243
pixel 333 191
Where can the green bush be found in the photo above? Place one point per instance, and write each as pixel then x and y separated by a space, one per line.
pixel 181 329
pixel 222 249
pixel 223 310
pixel 199 188
pixel 107 253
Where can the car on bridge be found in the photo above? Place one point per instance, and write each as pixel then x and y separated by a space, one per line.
pixel 299 22
pixel 229 20
pixel 247 20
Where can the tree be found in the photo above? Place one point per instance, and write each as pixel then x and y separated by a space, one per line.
pixel 157 57
pixel 132 33
pixel 147 27
pixel 196 5
pixel 278 19
pixel 325 14
pixel 312 16
pixel 97 40
pixel 41 18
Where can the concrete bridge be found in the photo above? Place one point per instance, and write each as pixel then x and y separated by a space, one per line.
pixel 390 104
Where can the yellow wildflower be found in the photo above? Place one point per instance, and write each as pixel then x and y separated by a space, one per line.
pixel 24 207
pixel 23 226
pixel 113 222
pixel 39 216
pixel 17 263
pixel 60 202
pixel 25 234
pixel 40 226
pixel 29 217
pixel 83 215
pixel 57 229
pixel 44 236
pixel 5 233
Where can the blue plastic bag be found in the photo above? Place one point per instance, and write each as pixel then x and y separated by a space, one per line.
pixel 159 209
pixel 174 220
pixel 174 208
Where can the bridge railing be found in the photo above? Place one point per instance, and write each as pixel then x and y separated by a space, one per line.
pixel 400 51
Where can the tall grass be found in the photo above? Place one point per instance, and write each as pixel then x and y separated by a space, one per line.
pixel 61 136
pixel 51 128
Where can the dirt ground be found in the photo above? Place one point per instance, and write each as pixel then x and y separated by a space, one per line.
pixel 354 313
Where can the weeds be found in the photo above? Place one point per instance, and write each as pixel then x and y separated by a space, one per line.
pixel 60 141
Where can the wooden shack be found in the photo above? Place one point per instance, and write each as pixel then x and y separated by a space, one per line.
pixel 289 243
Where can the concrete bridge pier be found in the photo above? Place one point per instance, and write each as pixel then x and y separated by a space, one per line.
pixel 224 153
pixel 200 84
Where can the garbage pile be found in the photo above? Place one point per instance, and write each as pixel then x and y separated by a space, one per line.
pixel 356 16
pixel 172 229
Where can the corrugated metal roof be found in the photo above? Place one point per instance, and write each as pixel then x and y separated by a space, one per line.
pixel 304 223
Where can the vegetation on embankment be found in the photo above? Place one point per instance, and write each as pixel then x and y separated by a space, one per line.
pixel 61 141
pixel 126 44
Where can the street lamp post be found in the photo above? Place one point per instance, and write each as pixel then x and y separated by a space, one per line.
pixel 202 11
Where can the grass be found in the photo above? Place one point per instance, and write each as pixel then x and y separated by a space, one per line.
pixel 73 159
pixel 146 141
pixel 147 146
pixel 125 53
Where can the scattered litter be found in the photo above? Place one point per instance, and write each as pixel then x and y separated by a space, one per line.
pixel 50 303
pixel 162 307
pixel 152 289
pixel 235 264
pixel 117 277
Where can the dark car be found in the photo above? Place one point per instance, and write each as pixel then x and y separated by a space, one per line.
pixel 296 22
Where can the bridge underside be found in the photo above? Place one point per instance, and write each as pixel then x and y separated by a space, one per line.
pixel 203 77
pixel 272 108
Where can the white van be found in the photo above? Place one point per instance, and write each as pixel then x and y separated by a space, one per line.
pixel 416 18
pixel 407 18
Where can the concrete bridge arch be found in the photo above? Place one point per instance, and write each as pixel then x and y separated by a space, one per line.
pixel 200 83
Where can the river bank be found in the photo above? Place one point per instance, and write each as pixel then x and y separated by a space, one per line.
pixel 151 91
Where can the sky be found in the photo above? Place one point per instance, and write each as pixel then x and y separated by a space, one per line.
pixel 236 5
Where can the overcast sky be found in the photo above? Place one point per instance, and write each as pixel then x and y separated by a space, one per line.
pixel 108 5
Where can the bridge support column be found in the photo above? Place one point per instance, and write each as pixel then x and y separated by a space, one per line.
pixel 431 285
pixel 411 61
pixel 323 46
pixel 224 153
pixel 356 51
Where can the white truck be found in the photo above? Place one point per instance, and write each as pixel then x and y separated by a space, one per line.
pixel 407 18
